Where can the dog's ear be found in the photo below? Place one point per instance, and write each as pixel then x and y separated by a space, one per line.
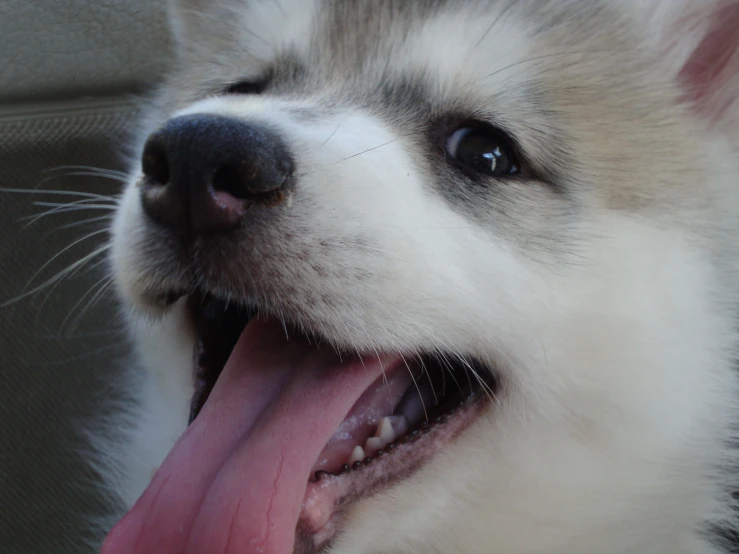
pixel 184 16
pixel 699 43
pixel 191 19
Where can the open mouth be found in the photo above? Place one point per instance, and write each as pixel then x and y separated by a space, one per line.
pixel 287 434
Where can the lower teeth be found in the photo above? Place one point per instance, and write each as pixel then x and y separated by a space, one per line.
pixel 391 431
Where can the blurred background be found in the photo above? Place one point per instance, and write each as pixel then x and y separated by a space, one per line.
pixel 70 75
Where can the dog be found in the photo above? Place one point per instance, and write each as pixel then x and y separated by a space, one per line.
pixel 433 276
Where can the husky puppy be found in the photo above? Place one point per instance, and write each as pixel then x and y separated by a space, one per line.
pixel 439 276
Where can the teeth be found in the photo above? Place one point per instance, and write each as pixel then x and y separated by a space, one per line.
pixel 357 455
pixel 385 431
pixel 388 430
pixel 373 445
pixel 399 426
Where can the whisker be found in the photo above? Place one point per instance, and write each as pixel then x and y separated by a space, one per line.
pixel 426 371
pixel 325 142
pixel 68 271
pixel 66 208
pixel 118 178
pixel 489 391
pixel 57 193
pixel 102 289
pixel 494 23
pixel 65 249
pixel 90 168
pixel 547 56
pixel 83 222
pixel 100 282
pixel 450 369
pixel 382 368
pixel 423 404
pixel 284 326
pixel 368 150
pixel 86 204
pixel 80 269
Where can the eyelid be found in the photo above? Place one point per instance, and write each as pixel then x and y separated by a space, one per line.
pixel 250 86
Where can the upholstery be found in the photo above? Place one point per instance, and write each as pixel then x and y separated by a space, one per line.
pixel 72 48
pixel 67 74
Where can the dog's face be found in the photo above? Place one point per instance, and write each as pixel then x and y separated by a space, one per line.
pixel 526 194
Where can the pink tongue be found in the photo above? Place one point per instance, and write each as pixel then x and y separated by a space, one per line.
pixel 235 481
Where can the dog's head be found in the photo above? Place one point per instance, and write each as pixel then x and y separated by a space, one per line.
pixel 526 204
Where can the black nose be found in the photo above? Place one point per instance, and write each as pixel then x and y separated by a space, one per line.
pixel 202 172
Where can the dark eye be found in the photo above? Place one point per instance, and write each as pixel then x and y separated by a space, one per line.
pixel 246 87
pixel 483 150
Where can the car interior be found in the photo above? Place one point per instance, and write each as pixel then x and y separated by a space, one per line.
pixel 71 75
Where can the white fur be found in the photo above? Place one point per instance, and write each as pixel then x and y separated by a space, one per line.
pixel 612 434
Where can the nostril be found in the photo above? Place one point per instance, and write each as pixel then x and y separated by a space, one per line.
pixel 155 165
pixel 228 179
pixel 250 181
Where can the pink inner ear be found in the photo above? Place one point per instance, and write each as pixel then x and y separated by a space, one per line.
pixel 711 75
